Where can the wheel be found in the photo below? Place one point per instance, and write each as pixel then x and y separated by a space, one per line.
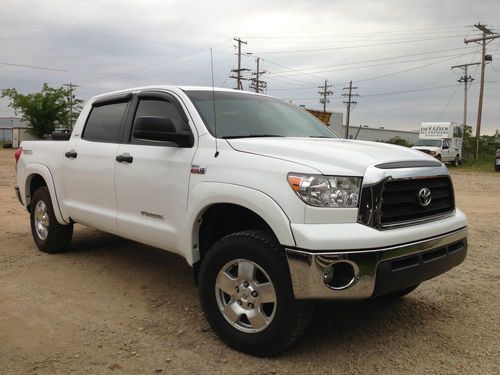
pixel 497 168
pixel 456 162
pixel 438 157
pixel 247 296
pixel 399 293
pixel 48 234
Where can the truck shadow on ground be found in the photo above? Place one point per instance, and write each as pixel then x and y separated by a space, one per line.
pixel 337 327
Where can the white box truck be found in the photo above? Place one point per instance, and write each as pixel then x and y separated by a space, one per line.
pixel 443 140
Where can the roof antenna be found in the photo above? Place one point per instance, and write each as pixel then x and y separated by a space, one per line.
pixel 213 101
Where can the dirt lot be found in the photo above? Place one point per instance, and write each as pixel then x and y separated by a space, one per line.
pixel 113 306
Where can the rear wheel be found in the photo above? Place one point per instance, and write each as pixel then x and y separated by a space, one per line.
pixel 48 234
pixel 247 296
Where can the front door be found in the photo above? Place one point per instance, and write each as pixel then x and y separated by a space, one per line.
pixel 446 152
pixel 152 178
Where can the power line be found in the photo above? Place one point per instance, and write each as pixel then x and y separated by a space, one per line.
pixel 349 103
pixel 256 83
pixel 239 70
pixel 364 34
pixel 465 79
pixel 305 71
pixel 374 65
pixel 325 93
pixel 36 67
pixel 356 46
pixel 488 35
pixel 408 91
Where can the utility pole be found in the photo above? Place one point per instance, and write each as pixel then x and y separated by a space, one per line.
pixel 257 84
pixel 465 79
pixel 71 98
pixel 488 35
pixel 325 93
pixel 238 76
pixel 349 103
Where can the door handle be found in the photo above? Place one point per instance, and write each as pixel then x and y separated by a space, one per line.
pixel 72 154
pixel 124 158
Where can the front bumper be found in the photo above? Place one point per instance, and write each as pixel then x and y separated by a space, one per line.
pixel 375 271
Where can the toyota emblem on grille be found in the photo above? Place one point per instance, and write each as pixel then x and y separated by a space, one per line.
pixel 424 197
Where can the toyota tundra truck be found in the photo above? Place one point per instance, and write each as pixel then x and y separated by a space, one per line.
pixel 270 208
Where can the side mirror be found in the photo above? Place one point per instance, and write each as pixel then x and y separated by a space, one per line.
pixel 156 128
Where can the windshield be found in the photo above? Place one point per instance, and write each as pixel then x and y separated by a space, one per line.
pixel 240 115
pixel 429 142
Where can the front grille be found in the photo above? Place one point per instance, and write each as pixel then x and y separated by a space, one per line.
pixel 400 200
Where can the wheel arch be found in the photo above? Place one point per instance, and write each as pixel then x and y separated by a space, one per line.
pixel 222 209
pixel 37 176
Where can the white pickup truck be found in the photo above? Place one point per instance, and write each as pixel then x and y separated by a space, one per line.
pixel 270 208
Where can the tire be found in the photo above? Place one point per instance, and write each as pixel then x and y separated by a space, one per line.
pixel 438 157
pixel 235 316
pixel 497 168
pixel 456 161
pixel 48 234
pixel 398 294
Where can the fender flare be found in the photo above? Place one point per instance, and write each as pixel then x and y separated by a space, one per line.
pixel 207 194
pixel 33 169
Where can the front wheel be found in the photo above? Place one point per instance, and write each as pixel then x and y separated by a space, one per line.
pixel 247 295
pixel 48 234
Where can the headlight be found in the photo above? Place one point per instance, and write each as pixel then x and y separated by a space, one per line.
pixel 433 153
pixel 326 191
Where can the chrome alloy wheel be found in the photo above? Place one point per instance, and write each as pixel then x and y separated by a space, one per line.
pixel 41 220
pixel 245 295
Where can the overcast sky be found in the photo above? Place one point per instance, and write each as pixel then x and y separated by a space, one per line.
pixel 398 53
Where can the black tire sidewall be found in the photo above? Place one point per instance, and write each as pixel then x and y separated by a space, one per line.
pixel 272 339
pixel 59 235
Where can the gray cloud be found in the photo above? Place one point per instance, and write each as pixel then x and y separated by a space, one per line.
pixel 109 45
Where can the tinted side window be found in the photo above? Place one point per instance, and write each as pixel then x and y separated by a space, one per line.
pixel 161 108
pixel 104 123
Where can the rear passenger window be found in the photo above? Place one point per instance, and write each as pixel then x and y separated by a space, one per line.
pixel 161 108
pixel 104 123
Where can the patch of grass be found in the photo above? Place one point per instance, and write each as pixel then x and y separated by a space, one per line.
pixel 483 164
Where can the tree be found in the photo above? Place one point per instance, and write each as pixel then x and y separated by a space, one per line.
pixel 44 110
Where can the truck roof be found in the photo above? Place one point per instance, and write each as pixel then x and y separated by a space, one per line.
pixel 173 88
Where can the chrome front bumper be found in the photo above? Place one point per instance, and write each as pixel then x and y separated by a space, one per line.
pixel 375 271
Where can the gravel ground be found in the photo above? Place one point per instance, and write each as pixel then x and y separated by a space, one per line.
pixel 114 306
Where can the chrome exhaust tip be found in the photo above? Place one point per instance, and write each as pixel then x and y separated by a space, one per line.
pixel 341 275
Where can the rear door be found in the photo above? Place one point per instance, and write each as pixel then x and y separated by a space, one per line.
pixel 152 180
pixel 89 165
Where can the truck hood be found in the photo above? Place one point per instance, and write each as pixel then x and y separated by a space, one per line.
pixel 328 156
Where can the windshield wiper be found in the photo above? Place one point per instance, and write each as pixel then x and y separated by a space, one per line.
pixel 319 136
pixel 250 136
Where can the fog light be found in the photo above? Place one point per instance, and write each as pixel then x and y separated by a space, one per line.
pixel 340 275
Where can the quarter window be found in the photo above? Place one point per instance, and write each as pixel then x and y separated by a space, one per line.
pixel 104 123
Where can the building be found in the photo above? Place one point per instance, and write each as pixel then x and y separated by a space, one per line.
pixel 364 132
pixel 14 129
pixel 381 134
